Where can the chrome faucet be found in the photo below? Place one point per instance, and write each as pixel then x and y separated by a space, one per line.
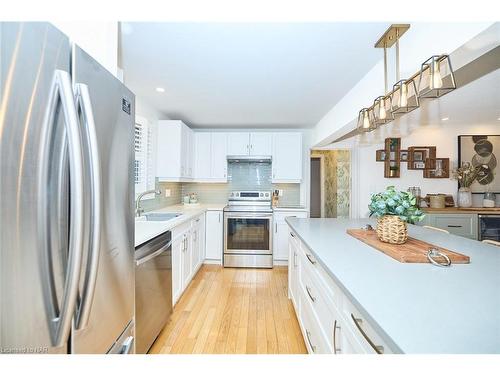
pixel 138 210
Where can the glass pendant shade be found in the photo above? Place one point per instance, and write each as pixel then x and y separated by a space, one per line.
pixel 365 120
pixel 436 77
pixel 382 113
pixel 404 96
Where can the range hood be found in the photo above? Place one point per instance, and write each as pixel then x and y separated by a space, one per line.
pixel 249 158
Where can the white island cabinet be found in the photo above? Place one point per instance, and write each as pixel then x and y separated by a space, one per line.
pixel 351 298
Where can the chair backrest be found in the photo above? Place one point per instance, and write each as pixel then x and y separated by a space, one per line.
pixel 436 229
pixel 491 242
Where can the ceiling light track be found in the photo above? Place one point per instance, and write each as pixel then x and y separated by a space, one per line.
pixel 435 79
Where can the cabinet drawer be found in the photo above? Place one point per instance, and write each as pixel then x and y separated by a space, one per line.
pixel 320 277
pixel 461 225
pixel 311 331
pixel 320 300
pixel 362 331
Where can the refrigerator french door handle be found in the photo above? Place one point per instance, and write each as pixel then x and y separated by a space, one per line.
pixel 60 317
pixel 83 102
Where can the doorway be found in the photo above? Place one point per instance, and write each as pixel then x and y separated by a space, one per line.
pixel 317 182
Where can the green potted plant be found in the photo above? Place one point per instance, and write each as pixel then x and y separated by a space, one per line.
pixel 393 210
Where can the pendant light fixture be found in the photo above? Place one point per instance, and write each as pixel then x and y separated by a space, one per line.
pixel 436 77
pixel 382 105
pixel 404 96
pixel 365 120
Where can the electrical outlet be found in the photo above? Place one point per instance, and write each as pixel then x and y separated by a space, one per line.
pixel 167 193
pixel 280 192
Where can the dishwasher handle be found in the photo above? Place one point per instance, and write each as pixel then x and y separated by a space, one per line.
pixel 158 252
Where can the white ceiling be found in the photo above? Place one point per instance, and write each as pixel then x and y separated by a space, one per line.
pixel 247 75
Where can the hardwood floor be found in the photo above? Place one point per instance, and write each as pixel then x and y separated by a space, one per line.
pixel 233 311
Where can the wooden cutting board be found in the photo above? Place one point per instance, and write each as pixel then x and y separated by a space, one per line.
pixel 413 251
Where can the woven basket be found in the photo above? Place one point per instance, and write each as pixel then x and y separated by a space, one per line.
pixel 392 229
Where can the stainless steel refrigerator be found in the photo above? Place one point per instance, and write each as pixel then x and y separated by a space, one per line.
pixel 66 198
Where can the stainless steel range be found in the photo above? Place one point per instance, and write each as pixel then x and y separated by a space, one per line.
pixel 248 230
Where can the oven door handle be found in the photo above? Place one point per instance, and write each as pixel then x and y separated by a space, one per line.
pixel 248 216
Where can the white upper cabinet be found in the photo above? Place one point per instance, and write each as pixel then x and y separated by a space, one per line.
pixel 261 144
pixel 238 143
pixel 203 151
pixel 219 157
pixel 174 153
pixel 210 156
pixel 287 157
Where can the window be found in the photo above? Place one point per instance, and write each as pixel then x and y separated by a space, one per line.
pixel 144 171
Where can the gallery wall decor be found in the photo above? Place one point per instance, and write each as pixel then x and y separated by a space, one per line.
pixel 420 158
pixel 482 151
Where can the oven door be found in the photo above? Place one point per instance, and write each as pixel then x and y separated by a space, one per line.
pixel 489 227
pixel 248 233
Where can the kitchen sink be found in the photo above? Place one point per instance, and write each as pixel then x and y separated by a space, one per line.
pixel 161 216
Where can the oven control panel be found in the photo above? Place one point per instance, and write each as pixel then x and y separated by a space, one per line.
pixel 250 196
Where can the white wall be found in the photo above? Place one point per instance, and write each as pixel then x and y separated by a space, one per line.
pixel 99 39
pixel 420 42
pixel 370 174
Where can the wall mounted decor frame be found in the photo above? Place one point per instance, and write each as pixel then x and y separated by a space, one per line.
pixel 482 151
pixel 442 169
pixel 421 157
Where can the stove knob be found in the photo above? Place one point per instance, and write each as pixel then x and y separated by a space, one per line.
pixel 261 195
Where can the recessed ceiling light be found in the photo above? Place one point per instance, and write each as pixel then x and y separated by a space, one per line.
pixel 445 119
pixel 160 89
pixel 498 119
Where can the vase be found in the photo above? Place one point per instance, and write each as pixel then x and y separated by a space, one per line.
pixel 464 197
pixel 392 229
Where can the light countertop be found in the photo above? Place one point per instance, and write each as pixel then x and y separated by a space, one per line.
pixel 416 308
pixel 458 210
pixel 289 208
pixel 146 230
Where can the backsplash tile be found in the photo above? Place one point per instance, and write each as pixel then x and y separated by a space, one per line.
pixel 207 192
pixel 249 176
pixel 162 201
pixel 291 194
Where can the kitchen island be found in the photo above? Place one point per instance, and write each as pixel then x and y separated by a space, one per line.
pixel 413 308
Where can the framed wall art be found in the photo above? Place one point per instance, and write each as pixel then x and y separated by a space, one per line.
pixel 482 151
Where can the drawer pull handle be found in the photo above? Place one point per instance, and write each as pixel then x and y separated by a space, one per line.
pixel 378 348
pixel 335 327
pixel 310 294
pixel 291 234
pixel 311 259
pixel 295 259
pixel 308 334
pixel 454 226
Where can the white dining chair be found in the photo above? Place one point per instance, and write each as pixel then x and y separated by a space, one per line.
pixel 436 229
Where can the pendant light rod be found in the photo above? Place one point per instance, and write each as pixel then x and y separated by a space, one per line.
pixel 397 58
pixel 385 71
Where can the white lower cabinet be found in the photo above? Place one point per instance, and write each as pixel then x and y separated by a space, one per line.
pixel 214 236
pixel 179 235
pixel 281 233
pixel 187 253
pixel 329 321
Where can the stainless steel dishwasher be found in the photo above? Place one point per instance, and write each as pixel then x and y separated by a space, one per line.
pixel 153 289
